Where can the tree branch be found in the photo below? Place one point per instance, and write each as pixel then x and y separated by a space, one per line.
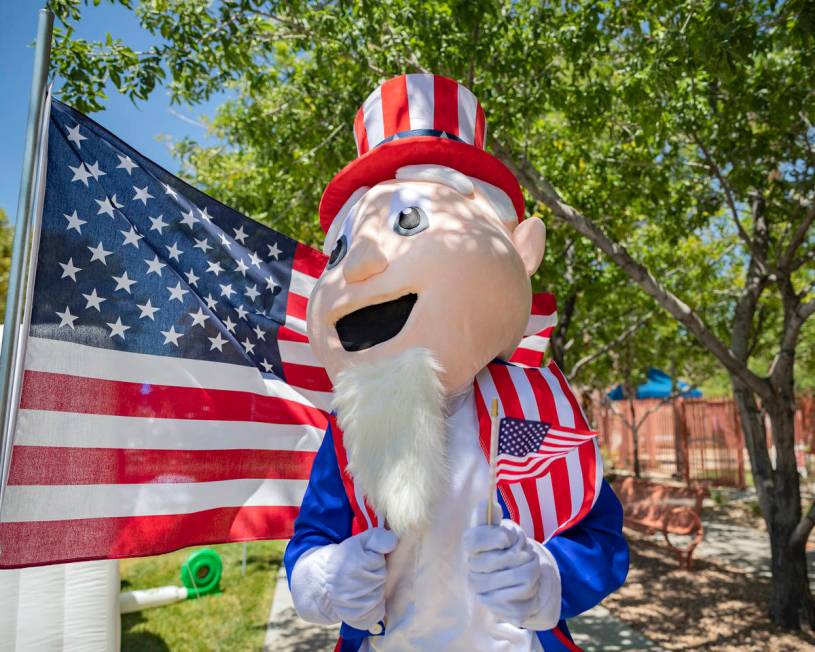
pixel 545 193
pixel 800 534
pixel 797 239
pixel 598 354
pixel 728 194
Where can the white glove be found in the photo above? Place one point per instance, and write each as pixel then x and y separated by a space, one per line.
pixel 514 577
pixel 344 581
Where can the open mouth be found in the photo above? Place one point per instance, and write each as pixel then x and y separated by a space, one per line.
pixel 374 324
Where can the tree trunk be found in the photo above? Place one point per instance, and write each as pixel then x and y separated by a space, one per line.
pixel 779 495
pixel 634 429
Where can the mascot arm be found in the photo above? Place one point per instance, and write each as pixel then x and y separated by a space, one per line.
pixel 324 521
pixel 592 556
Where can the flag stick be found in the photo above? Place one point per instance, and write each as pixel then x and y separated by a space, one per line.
pixel 493 457
pixel 22 233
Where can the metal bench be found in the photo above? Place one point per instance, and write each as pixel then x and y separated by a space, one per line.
pixel 655 507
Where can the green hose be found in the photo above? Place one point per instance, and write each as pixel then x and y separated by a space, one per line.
pixel 201 573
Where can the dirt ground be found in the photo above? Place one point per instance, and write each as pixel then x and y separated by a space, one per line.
pixel 713 607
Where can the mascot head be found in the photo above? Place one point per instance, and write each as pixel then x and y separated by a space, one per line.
pixel 428 280
pixel 425 240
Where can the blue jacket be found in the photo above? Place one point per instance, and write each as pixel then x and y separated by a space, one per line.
pixel 592 556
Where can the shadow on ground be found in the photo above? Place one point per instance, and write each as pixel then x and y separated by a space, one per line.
pixel 716 606
pixel 288 633
pixel 140 641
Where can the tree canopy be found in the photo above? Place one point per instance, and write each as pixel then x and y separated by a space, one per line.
pixel 672 141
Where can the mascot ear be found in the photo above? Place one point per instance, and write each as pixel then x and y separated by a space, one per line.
pixel 529 238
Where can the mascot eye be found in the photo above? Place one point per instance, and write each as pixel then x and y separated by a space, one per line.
pixel 411 220
pixel 338 252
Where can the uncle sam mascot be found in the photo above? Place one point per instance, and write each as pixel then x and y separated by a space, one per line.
pixel 425 295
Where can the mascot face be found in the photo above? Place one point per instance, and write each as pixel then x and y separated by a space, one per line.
pixel 425 263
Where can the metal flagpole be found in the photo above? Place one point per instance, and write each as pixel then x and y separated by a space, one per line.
pixel 22 234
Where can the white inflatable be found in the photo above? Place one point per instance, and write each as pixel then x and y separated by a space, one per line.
pixel 61 608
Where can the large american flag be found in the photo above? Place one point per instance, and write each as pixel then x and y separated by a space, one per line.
pixel 169 394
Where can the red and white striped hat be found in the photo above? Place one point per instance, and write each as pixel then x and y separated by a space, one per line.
pixel 414 119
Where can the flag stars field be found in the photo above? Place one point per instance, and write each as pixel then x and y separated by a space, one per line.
pixel 132 322
pixel 74 136
pixel 126 164
pixel 69 270
pixel 74 222
pixel 93 300
pixel 194 231
pixel 117 328
pixel 142 195
pixel 81 173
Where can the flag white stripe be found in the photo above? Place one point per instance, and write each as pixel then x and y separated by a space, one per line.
pixel 373 119
pixel 27 503
pixel 525 394
pixel 466 114
pixel 489 392
pixel 297 353
pixel 524 515
pixel 37 428
pixel 301 284
pixel 546 496
pixel 420 101
pixel 536 465
pixel 537 323
pixel 565 414
pixel 56 356
pixel 598 472
pixel 575 481
pixel 534 343
pixel 296 324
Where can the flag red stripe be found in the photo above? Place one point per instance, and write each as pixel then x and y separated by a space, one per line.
pixel 307 377
pixel 561 489
pixel 66 393
pixel 568 643
pixel 479 126
pixel 360 133
pixel 358 524
pixel 297 306
pixel 395 113
pixel 56 465
pixel 445 101
pixel 289 335
pixel 528 357
pixel 543 396
pixel 506 391
pixel 530 489
pixel 579 421
pixel 308 260
pixel 136 536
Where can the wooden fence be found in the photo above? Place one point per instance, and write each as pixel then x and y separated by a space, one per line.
pixel 695 440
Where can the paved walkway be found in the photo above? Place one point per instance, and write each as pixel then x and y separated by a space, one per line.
pixel 593 631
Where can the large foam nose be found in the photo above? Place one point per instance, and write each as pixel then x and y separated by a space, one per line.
pixel 364 260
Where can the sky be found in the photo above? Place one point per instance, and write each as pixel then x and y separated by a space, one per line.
pixel 140 125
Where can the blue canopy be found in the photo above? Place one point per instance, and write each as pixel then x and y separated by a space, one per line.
pixel 658 385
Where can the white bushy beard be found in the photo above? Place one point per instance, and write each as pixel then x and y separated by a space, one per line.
pixel 392 416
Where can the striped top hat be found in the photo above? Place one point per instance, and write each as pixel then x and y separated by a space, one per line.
pixel 414 119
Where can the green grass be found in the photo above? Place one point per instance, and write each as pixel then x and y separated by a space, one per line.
pixel 233 620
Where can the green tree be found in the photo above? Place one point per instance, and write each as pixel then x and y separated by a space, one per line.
pixel 683 131
pixel 6 237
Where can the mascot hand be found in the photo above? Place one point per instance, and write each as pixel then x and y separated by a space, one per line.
pixel 355 577
pixel 514 577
